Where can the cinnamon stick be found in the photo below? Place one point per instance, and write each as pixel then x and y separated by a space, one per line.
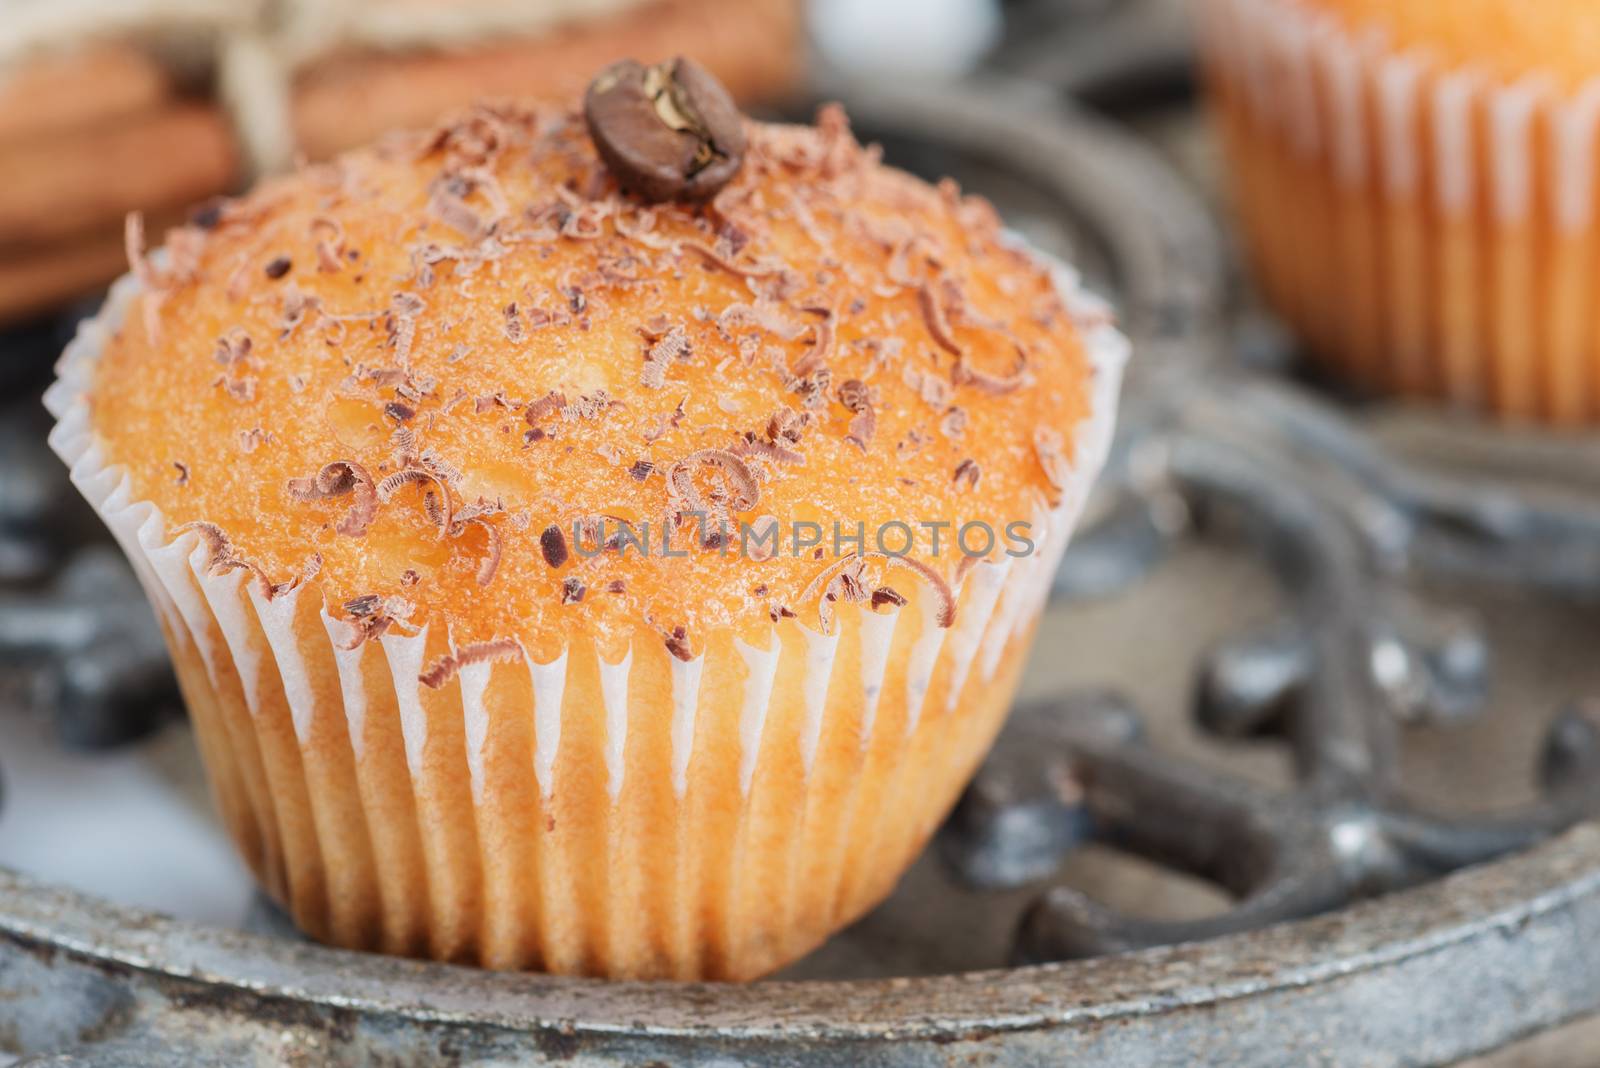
pixel 67 180
pixel 752 46
pixel 89 85
pixel 63 184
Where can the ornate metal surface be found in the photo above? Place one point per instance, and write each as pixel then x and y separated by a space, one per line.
pixel 1352 937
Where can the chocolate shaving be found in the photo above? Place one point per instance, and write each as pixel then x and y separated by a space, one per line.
pixel 233 347
pixel 553 544
pixel 766 450
pixel 242 389
pixel 445 203
pixel 133 247
pixel 404 440
pixel 312 568
pixel 337 479
pixel 665 422
pixel 224 558
pixel 641 470
pixel 967 474
pixel 252 439
pixel 653 375
pixel 552 403
pixel 435 511
pixel 513 324
pixel 862 426
pixel 277 267
pixel 363 606
pixel 372 616
pixel 855 396
pixel 845 585
pixel 954 423
pixel 402 319
pixel 822 345
pixel 491 558
pixel 448 666
pixel 933 315
pixel 763 314
pixel 209 214
pixel 185 245
pixel 423 472
pixel 369 629
pixel 899 268
pixel 297 305
pixel 183 472
pixel 933 390
pixel 673 345
pixel 744 483
pixel 788 425
pixel 156 283
pixel 636 223
pixel 588 529
pixel 1047 447
pixel 216 541
pixel 589 406
pixel 964 374
pixel 572 590
pixel 711 256
pixel 944 617
pixel 330 246
pixel 885 595
pixel 425 256
pixel 678 644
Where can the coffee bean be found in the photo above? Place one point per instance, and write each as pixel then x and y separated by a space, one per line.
pixel 667 132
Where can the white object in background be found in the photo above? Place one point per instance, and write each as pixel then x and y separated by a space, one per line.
pixel 927 38
pixel 113 824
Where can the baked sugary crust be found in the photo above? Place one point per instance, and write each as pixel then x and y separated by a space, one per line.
pixel 1508 39
pixel 400 371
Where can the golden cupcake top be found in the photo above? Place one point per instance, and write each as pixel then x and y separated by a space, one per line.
pixel 465 380
pixel 1506 38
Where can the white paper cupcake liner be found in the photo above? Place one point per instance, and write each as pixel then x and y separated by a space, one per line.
pixel 556 815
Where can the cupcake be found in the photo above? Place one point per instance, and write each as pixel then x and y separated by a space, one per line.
pixel 601 542
pixel 1416 183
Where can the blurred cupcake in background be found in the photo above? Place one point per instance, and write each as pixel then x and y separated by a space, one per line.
pixel 1417 190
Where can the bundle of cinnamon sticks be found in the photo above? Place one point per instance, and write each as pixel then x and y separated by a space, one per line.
pixel 89 134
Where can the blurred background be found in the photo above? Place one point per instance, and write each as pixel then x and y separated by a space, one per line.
pixel 1082 120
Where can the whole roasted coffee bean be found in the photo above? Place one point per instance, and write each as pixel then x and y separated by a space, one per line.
pixel 667 132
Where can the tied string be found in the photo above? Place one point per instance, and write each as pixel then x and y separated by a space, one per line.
pixel 252 49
